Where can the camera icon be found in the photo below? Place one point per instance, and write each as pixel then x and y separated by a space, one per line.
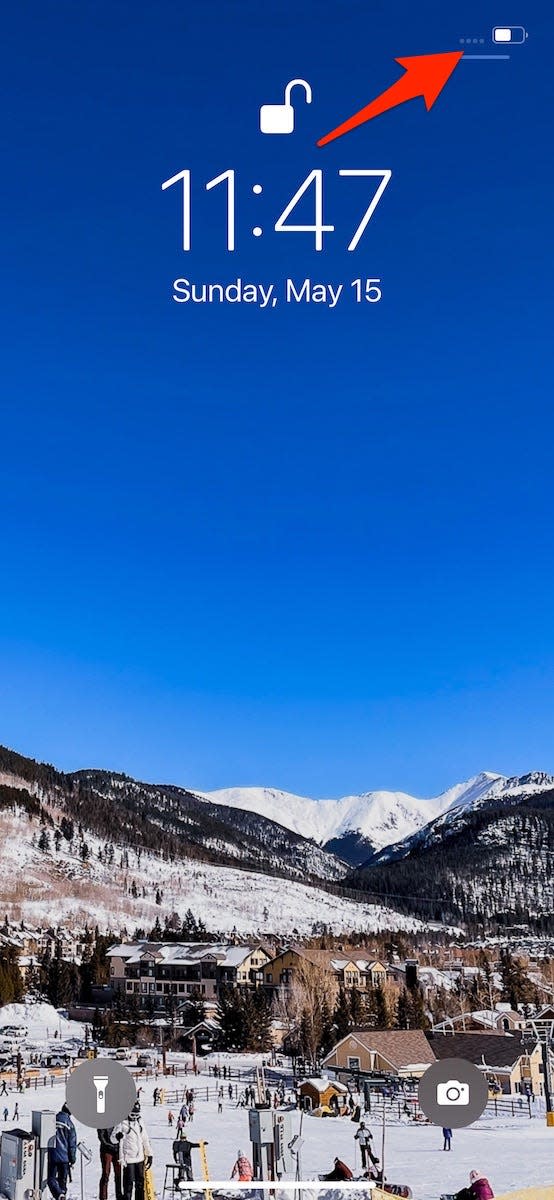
pixel 452 1092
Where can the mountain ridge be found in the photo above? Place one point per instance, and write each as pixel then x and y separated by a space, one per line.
pixel 354 826
pixel 486 858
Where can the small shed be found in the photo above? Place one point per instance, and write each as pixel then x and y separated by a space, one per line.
pixel 322 1091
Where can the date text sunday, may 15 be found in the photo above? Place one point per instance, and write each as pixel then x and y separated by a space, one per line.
pixel 268 295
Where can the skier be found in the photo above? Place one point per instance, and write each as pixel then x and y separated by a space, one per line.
pixel 447 1139
pixel 242 1169
pixel 4 1088
pixel 170 1118
pixel 230 1091
pixel 109 1157
pixel 340 1171
pixel 16 1113
pixel 219 1104
pixel 5 1114
pixel 156 1096
pixel 183 1115
pixel 61 1156
pixel 364 1137
pixel 182 1153
pixel 135 1152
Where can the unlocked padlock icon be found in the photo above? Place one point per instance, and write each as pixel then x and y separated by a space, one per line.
pixel 279 118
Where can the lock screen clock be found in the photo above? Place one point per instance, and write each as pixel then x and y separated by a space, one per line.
pixel 312 188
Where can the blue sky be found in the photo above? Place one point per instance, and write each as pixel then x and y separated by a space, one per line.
pixel 306 548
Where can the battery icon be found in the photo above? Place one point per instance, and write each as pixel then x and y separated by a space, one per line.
pixel 509 35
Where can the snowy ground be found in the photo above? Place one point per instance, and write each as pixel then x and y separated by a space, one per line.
pixel 513 1153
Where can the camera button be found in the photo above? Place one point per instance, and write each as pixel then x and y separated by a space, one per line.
pixel 453 1092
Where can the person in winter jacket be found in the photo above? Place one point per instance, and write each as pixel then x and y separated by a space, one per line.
pixel 447 1139
pixel 340 1171
pixel 242 1169
pixel 364 1137
pixel 480 1187
pixel 135 1153
pixel 182 1154
pixel 109 1158
pixel 61 1156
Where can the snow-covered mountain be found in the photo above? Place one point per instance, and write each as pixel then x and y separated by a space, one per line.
pixel 499 790
pixel 487 844
pixel 354 827
pixel 487 861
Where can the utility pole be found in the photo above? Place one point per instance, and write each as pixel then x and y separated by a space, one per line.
pixel 383 1135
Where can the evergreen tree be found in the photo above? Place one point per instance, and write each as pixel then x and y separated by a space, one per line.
pixel 245 1019
pixel 11 981
pixel 377 1010
pixel 62 980
pixel 417 1013
pixel 341 1016
pixel 517 988
pixel 403 1010
pixel 357 1008
pixel 195 1007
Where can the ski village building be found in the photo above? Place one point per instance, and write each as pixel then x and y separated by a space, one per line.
pixel 350 972
pixel 510 1064
pixel 159 970
pixel 398 1052
pixel 177 969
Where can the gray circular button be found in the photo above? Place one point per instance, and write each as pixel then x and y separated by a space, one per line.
pixel 100 1093
pixel 453 1093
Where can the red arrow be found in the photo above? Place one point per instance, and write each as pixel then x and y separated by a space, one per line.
pixel 424 75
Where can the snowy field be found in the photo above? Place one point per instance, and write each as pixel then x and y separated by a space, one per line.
pixel 513 1153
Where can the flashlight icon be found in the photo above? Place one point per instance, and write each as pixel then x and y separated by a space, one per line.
pixel 100 1082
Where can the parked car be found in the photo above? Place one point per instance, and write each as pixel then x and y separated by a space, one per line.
pixel 122 1055
pixel 54 1060
pixel 145 1060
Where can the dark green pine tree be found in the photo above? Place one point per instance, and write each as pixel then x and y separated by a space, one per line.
pixel 11 981
pixel 62 982
pixel 357 1008
pixel 341 1015
pixel 232 1019
pixel 258 1014
pixel 403 1010
pixel 417 1012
